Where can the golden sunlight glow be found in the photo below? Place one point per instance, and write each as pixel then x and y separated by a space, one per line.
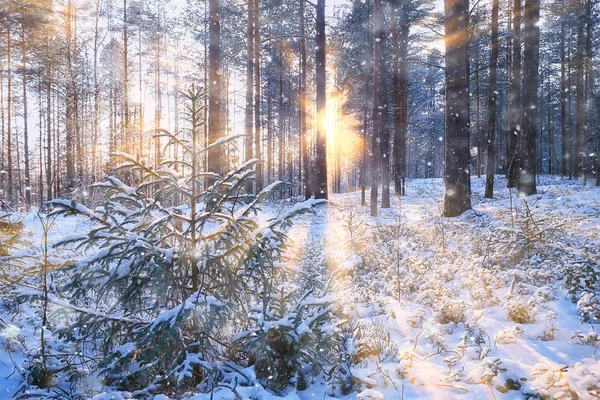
pixel 344 141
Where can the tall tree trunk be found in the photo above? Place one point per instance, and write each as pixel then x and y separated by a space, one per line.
pixel 127 140
pixel 564 157
pixel 215 128
pixel 377 110
pixel 457 176
pixel 40 139
pixel 70 100
pixel 400 42
pixel 385 134
pixel 588 85
pixel 303 131
pixel 25 117
pixel 321 191
pixel 492 106
pixel 365 145
pixel 269 132
pixel 550 129
pixel 515 104
pixel 579 96
pixel 250 88
pixel 9 149
pixel 158 99
pixel 257 98
pixel 479 153
pixel 527 184
pixel 49 130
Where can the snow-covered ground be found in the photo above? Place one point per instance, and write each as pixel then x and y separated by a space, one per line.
pixel 486 305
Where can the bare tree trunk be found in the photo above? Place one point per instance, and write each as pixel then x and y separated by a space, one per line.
pixel 250 88
pixel 492 106
pixel 125 137
pixel 550 129
pixel 515 104
pixel 157 99
pixel 257 98
pixel 377 111
pixel 321 191
pixel 70 100
pixel 457 176
pixel 579 96
pixel 527 184
pixel 49 130
pixel 9 149
pixel 400 42
pixel 269 133
pixel 303 131
pixel 25 117
pixel 363 163
pixel 588 85
pixel 215 96
pixel 563 104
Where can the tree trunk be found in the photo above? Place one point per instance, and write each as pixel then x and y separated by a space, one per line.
pixel 257 97
pixel 457 176
pixel 321 175
pixel 400 43
pixel 302 107
pixel 215 128
pixel 70 100
pixel 25 122
pixel 515 104
pixel 563 104
pixel 249 88
pixel 9 149
pixel 492 106
pixel 127 142
pixel 49 130
pixel 588 85
pixel 377 111
pixel 579 96
pixel 527 184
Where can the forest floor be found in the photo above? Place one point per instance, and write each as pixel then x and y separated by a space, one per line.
pixel 498 303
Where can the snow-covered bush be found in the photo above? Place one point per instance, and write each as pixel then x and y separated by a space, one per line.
pixel 164 291
pixel 11 237
pixel 520 310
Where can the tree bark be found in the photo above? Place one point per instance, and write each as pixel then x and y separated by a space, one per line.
pixel 579 95
pixel 400 43
pixel 215 128
pixel 377 111
pixel 257 98
pixel 527 184
pixel 492 106
pixel 321 190
pixel 25 119
pixel 515 104
pixel 457 176
pixel 250 88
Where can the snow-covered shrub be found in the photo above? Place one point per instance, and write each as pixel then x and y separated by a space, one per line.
pixel 485 373
pixel 450 311
pixel 473 341
pixel 551 382
pixel 373 340
pixel 11 237
pixel 588 307
pixel 164 290
pixel 520 310
pixel 508 335
pixel 11 336
pixel 287 339
pixel 591 338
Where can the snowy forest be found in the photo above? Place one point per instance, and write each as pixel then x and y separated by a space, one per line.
pixel 299 199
